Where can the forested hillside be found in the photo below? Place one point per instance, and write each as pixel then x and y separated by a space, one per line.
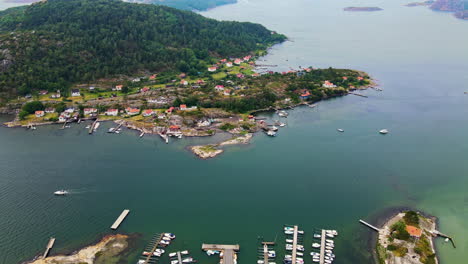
pixel 49 45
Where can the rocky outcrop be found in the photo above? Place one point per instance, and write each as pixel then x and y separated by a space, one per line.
pixel 448 5
pixel 6 60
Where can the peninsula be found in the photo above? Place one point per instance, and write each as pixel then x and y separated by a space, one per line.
pixel 110 249
pixel 362 9
pixel 166 83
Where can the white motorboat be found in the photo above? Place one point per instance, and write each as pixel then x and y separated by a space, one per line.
pixel 272 133
pixel 340 130
pixel 187 260
pixel 289 241
pixel 173 254
pixel 169 235
pixel 274 128
pixel 383 131
pixel 185 252
pixel 287 232
pixel 316 245
pixel 283 113
pixel 300 254
pixel 174 261
pixel 260 261
pixel 317 236
pixel 61 193
pixel 282 124
pixel 312 105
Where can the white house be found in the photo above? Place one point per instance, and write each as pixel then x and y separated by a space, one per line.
pixel 39 113
pixel 75 92
pixel 62 118
pixel 212 69
pixel 147 112
pixel 88 111
pixel 112 112
pixel 328 84
pixel 229 64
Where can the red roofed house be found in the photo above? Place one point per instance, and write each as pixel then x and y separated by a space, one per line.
pixel 237 61
pixel 328 84
pixel 247 58
pixel 183 107
pixel 112 112
pixel 200 81
pixel 223 60
pixel 119 87
pixel 153 77
pixel 144 89
pixel 229 64
pixel 212 69
pixel 305 94
pixel 174 128
pixel 360 78
pixel 219 88
pixel 148 112
pixel 240 75
pixel 345 78
pixel 39 113
pixel 170 109
pixel 184 82
pixel 227 92
pixel 414 231
pixel 88 111
pixel 132 111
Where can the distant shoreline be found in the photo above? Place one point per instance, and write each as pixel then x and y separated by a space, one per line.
pixel 362 9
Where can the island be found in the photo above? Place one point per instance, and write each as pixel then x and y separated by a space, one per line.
pixel 110 249
pixel 424 3
pixel 458 7
pixel 362 9
pixel 406 238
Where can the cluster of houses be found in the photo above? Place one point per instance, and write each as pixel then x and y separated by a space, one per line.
pixel 229 63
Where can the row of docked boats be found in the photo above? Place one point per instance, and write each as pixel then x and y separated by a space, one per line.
pixel 323 245
pixel 266 253
pixel 294 247
pixel 181 257
pixel 156 248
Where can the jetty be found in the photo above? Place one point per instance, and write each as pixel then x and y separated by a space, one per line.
pixel 49 247
pixel 152 248
pixel 357 94
pixel 437 233
pixel 91 128
pixel 294 249
pixel 229 251
pixel 165 137
pixel 120 219
pixel 369 225
pixel 266 258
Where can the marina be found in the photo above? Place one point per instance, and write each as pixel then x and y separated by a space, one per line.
pixel 120 219
pixel 266 253
pixel 294 239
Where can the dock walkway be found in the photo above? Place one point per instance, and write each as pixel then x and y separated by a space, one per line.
pixel 322 247
pixel 49 247
pixel 229 254
pixel 120 219
pixel 151 253
pixel 294 250
pixel 369 225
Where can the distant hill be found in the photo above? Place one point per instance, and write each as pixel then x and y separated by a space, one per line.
pixel 49 45
pixel 188 4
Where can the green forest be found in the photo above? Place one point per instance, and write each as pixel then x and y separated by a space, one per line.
pixel 50 45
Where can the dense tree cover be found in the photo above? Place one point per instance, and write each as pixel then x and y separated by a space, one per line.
pixel 55 43
pixel 411 218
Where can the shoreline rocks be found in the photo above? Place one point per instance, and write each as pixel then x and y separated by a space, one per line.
pixel 212 150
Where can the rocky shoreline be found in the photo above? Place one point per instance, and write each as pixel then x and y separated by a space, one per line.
pixel 110 247
pixel 212 150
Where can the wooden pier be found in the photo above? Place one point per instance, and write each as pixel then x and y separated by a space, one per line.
pixel 322 247
pixel 229 251
pixel 179 257
pixel 120 219
pixel 49 247
pixel 437 233
pixel 365 96
pixel 294 249
pixel 91 128
pixel 155 246
pixel 369 225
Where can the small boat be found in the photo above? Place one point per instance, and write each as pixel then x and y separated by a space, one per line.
pixel 169 235
pixel 174 261
pixel 340 130
pixel 61 193
pixel 447 240
pixel 173 254
pixel 274 128
pixel 383 131
pixel 329 241
pixel 287 232
pixel 142 134
pixel 187 260
pixel 288 228
pixel 316 245
pixel 317 236
pixel 282 124
pixel 282 113
pixel 312 105
pixel 88 126
pixel 111 130
pixel 272 133
pixel 185 252
pixel 289 241
pixel 300 254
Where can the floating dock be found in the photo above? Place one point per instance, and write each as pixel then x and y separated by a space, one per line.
pixel 120 219
pixel 149 258
pixel 322 247
pixel 49 247
pixel 91 128
pixel 294 250
pixel 229 251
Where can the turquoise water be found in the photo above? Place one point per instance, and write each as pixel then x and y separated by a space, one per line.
pixel 308 175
